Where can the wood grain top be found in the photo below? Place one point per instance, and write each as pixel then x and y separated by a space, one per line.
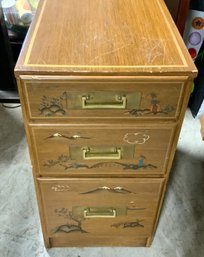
pixel 74 37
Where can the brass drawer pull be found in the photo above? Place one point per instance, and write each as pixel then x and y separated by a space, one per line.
pixel 121 102
pixel 88 155
pixel 99 213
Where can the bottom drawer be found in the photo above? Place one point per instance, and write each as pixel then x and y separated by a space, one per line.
pixel 83 212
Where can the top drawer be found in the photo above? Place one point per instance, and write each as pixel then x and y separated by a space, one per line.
pixel 102 97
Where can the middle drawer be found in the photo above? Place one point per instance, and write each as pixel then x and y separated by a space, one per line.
pixel 75 150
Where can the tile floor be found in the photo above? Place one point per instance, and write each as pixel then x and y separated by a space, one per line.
pixel 180 232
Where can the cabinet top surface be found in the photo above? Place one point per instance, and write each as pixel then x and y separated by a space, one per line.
pixel 103 37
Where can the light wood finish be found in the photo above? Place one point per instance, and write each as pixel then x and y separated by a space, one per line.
pixel 135 202
pixel 104 92
pixel 59 150
pixel 98 241
pixel 103 36
pixel 62 98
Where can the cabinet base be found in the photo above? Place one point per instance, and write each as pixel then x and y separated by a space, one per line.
pixel 98 241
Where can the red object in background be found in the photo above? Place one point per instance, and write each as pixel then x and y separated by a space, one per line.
pixel 193 52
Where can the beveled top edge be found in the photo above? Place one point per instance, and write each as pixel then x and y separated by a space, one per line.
pixel 23 67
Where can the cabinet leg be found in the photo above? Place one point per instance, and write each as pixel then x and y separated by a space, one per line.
pixel 47 242
pixel 149 241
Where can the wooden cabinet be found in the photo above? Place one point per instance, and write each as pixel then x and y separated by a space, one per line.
pixel 179 11
pixel 103 99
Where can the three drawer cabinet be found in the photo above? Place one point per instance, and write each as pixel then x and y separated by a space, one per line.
pixel 103 95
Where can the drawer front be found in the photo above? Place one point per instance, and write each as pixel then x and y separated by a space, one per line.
pixel 81 209
pixel 157 97
pixel 92 150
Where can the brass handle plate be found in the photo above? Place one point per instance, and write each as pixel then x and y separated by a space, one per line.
pixel 101 152
pixel 88 155
pixel 100 213
pixel 120 103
